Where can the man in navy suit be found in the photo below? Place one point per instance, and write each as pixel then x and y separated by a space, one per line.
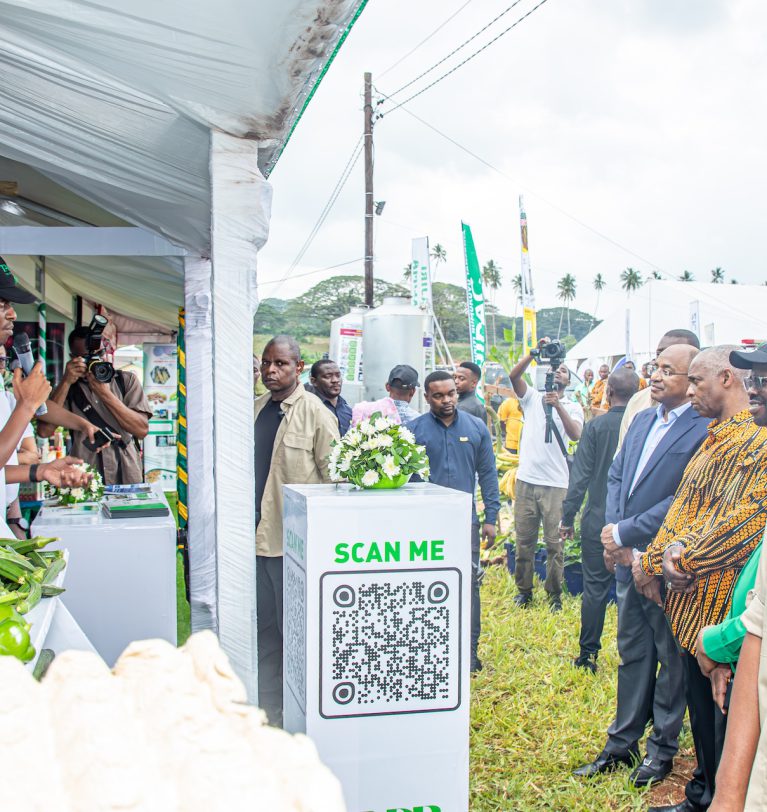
pixel 641 485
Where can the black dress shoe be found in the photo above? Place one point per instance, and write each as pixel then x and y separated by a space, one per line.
pixel 523 600
pixel 476 664
pixel 606 763
pixel 650 771
pixel 685 806
pixel 555 604
pixel 588 662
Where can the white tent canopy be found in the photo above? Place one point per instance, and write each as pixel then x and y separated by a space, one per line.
pixel 718 314
pixel 167 117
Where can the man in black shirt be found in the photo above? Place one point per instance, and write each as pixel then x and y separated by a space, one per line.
pixel 593 459
pixel 467 377
pixel 325 378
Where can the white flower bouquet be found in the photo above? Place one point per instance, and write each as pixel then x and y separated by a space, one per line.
pixel 92 492
pixel 378 453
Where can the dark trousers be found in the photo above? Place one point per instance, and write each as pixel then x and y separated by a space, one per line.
pixel 645 691
pixel 597 581
pixel 476 573
pixel 269 627
pixel 708 725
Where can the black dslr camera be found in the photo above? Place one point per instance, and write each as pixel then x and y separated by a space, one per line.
pixel 101 370
pixel 552 353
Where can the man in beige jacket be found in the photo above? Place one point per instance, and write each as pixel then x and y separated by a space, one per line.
pixel 293 436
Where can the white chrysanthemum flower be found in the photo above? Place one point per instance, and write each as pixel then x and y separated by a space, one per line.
pixel 352 438
pixel 390 468
pixel 77 493
pixel 382 423
pixel 370 445
pixel 366 427
pixel 385 441
pixel 370 478
pixel 346 462
pixel 406 435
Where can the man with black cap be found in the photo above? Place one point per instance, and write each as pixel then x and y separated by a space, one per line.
pixel 30 392
pixel 401 386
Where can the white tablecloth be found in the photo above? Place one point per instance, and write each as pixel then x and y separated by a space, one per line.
pixel 121 577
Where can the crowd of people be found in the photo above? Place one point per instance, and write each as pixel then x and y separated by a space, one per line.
pixel 671 464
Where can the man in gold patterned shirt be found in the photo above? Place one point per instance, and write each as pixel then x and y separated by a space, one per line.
pixel 716 520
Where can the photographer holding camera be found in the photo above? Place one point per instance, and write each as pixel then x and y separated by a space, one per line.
pixel 542 479
pixel 112 400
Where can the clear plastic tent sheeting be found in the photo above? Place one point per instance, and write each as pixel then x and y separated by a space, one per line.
pixel 116 100
pixel 169 116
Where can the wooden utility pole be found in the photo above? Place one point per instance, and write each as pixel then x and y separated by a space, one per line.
pixel 368 113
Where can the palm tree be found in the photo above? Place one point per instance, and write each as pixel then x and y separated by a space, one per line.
pixel 566 292
pixel 599 284
pixel 733 281
pixel 516 286
pixel 656 275
pixel 407 271
pixel 717 276
pixel 491 277
pixel 438 254
pixel 631 280
pixel 686 276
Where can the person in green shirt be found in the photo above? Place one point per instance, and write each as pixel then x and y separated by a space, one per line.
pixel 718 647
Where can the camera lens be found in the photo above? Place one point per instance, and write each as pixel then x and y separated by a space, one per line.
pixel 102 371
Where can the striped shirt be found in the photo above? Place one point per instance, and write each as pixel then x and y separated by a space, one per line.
pixel 718 516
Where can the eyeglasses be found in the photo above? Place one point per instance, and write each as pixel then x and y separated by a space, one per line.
pixel 665 371
pixel 756 382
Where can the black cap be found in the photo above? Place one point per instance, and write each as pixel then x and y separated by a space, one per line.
pixel 403 377
pixel 747 359
pixel 9 287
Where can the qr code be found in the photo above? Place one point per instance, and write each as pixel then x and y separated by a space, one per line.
pixel 295 631
pixel 390 642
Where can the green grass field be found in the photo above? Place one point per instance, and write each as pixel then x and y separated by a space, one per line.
pixel 534 717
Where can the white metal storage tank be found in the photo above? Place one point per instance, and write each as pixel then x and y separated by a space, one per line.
pixel 395 333
pixel 346 351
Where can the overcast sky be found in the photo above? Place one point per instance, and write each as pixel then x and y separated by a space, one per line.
pixel 643 120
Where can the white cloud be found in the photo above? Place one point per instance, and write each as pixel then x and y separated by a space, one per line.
pixel 642 120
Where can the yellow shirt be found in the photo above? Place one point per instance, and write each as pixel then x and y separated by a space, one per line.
pixel 599 395
pixel 510 412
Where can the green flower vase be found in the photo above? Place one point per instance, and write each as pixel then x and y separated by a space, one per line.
pixel 387 483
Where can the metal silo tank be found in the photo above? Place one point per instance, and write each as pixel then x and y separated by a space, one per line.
pixel 394 333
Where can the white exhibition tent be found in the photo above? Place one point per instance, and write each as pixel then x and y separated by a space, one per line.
pixel 717 313
pixel 135 143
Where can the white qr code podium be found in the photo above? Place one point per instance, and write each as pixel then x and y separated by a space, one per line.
pixel 377 633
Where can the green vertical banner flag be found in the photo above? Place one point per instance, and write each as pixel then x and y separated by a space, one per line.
pixel 475 299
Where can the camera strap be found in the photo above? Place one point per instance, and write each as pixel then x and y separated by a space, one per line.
pixel 92 416
pixel 561 443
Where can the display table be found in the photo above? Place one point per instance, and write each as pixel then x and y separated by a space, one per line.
pixel 377 630
pixel 121 576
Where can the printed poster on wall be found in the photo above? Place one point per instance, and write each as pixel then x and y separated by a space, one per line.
pixel 160 385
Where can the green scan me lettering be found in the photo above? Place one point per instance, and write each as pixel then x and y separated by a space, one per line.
pixel 386 552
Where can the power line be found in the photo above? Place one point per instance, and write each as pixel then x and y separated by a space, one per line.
pixel 460 47
pixel 460 64
pixel 534 194
pixel 425 40
pixel 310 273
pixel 325 211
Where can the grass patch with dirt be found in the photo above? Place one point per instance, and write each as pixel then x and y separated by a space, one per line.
pixel 535 718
